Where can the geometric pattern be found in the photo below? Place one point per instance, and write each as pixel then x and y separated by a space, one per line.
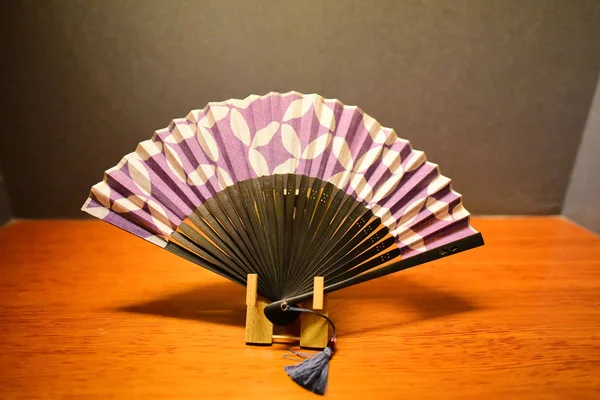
pixel 150 191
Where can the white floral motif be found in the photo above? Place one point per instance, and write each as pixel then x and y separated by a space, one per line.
pixel 264 135
pixel 102 193
pixel 258 162
pixel 386 216
pixel 128 204
pixel 341 150
pixel 341 179
pixel 201 175
pixel 223 178
pixel 439 209
pixel 239 126
pixel 409 238
pixel 437 184
pixel 148 149
pixel 290 140
pixel 386 188
pixel 417 159
pixel 361 187
pixel 391 159
pixel 367 159
pixel 324 114
pixel 459 212
pixel 287 167
pixel 316 147
pixel 411 212
pixel 354 173
pixel 174 162
pixel 207 143
pixel 160 218
pixel 139 174
pixel 299 107
pixel 181 131
pixel 214 115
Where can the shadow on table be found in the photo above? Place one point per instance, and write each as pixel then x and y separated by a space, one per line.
pixel 407 300
pixel 220 303
pixel 351 308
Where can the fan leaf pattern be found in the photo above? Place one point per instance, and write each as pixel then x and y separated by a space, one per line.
pixel 287 167
pixel 148 149
pixel 316 147
pixel 263 136
pixel 290 140
pixel 207 143
pixel 201 175
pixel 240 127
pixel 235 140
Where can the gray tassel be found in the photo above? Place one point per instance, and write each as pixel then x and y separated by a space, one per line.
pixel 312 373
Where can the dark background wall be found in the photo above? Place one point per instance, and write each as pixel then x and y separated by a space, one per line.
pixel 495 91
pixel 582 203
pixel 5 213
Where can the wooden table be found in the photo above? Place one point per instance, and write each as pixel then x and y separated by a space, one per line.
pixel 90 312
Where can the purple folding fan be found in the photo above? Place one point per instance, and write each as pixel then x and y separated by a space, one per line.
pixel 289 187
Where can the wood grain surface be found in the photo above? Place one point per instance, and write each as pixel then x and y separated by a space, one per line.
pixel 90 312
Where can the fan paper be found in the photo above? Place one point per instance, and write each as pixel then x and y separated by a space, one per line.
pixel 152 190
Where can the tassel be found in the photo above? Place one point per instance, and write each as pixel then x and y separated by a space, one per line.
pixel 312 373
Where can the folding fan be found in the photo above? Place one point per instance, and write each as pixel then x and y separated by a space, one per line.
pixel 287 186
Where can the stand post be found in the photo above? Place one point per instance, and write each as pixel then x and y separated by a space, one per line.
pixel 259 330
pixel 314 330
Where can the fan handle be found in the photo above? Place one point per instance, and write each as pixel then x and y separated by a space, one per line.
pixel 278 314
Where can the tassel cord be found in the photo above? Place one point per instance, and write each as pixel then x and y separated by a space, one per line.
pixel 286 307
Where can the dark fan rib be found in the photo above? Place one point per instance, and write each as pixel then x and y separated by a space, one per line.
pixel 242 201
pixel 360 268
pixel 322 216
pixel 333 233
pixel 214 258
pixel 307 217
pixel 309 209
pixel 206 223
pixel 223 229
pixel 258 207
pixel 279 202
pixel 300 202
pixel 327 224
pixel 353 244
pixel 267 194
pixel 365 251
pixel 181 251
pixel 210 250
pixel 203 219
pixel 290 203
pixel 263 226
pixel 238 229
pixel 352 216
pixel 345 238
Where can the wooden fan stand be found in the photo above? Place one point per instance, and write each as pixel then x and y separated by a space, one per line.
pixel 314 330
